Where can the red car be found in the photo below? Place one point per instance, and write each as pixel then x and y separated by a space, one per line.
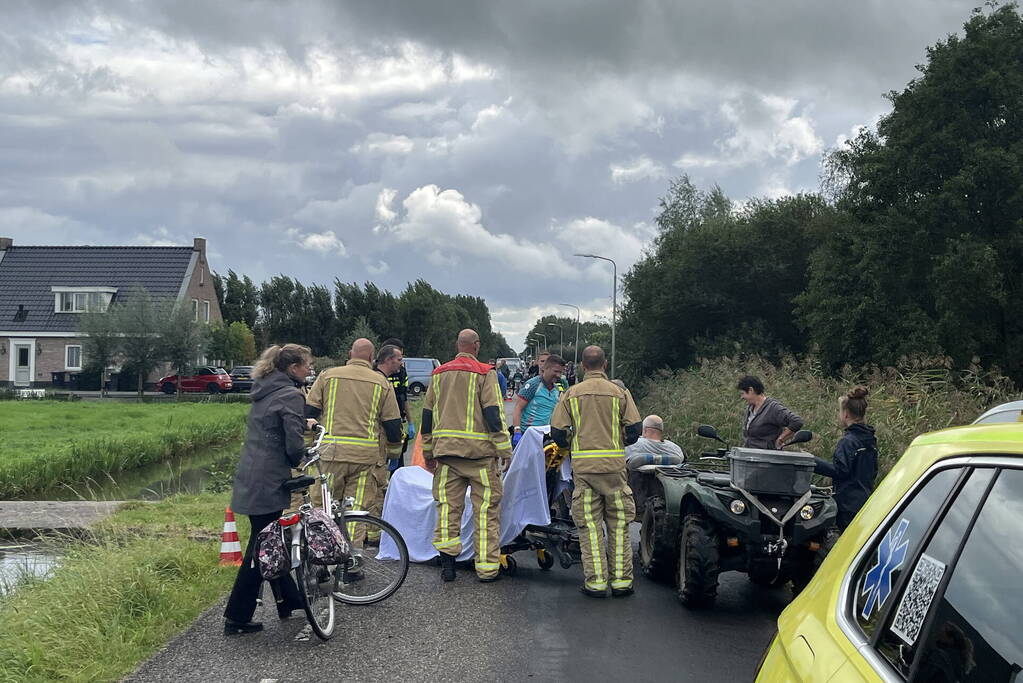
pixel 210 380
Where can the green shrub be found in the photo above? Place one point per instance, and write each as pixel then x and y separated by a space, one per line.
pixel 918 396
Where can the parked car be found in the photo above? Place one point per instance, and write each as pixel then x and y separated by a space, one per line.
pixel 1006 412
pixel 241 377
pixel 924 584
pixel 208 379
pixel 419 371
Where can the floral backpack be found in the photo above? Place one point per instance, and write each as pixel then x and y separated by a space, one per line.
pixel 325 541
pixel 272 552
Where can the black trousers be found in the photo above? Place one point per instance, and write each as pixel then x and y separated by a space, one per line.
pixel 242 603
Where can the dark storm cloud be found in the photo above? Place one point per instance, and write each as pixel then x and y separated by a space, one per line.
pixel 475 144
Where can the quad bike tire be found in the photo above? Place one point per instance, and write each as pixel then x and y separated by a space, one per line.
pixel 655 553
pixel 698 565
pixel 802 575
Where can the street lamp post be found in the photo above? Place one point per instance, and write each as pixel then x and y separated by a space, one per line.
pixel 576 361
pixel 614 302
pixel 544 339
pixel 562 330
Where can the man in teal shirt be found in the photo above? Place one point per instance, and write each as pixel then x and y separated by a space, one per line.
pixel 535 402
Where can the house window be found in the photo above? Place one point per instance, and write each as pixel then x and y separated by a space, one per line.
pixel 73 357
pixel 82 300
pixel 195 309
pixel 206 311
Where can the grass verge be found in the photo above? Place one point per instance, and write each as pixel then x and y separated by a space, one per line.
pixel 904 402
pixel 147 573
pixel 47 443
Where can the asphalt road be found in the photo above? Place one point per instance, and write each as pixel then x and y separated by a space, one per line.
pixel 535 625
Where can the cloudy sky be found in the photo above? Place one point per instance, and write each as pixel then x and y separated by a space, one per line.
pixel 473 143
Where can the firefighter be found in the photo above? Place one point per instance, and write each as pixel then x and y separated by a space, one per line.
pixel 357 406
pixel 596 420
pixel 388 362
pixel 464 436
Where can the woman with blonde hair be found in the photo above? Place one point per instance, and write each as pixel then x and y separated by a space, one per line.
pixel 273 445
pixel 854 466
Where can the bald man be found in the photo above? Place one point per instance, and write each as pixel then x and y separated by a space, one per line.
pixel 464 437
pixel 357 406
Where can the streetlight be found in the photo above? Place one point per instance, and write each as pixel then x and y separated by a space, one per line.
pixel 614 301
pixel 576 361
pixel 544 339
pixel 562 330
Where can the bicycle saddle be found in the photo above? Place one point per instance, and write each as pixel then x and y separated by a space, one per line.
pixel 298 483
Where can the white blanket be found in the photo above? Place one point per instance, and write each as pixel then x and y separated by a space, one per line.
pixel 410 507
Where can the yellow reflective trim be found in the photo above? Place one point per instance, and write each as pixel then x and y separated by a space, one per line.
pixel 500 407
pixel 445 544
pixel 442 487
pixel 620 536
pixel 481 525
pixel 428 446
pixel 504 445
pixel 470 403
pixel 458 434
pixel 487 565
pixel 573 403
pixel 371 428
pixel 615 424
pixel 356 440
pixel 598 586
pixel 598 454
pixel 622 583
pixel 360 496
pixel 595 550
pixel 330 405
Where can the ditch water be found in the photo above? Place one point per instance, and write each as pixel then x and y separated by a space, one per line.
pixel 22 560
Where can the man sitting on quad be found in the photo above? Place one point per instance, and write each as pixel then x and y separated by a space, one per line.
pixel 652 448
pixel 767 424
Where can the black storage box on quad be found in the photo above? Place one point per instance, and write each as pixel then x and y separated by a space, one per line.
pixel 775 473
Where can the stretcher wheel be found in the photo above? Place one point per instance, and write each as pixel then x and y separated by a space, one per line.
pixel 508 565
pixel 544 559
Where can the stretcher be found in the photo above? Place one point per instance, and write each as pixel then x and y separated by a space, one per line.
pixel 526 519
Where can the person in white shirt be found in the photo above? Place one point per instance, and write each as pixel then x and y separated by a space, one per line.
pixel 652 448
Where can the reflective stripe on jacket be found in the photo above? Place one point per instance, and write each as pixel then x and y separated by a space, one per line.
pixel 463 412
pixel 358 408
pixel 596 413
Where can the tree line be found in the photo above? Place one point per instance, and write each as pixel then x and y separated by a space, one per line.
pixel 427 320
pixel 912 246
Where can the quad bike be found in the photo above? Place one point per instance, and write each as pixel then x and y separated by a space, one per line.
pixel 763 518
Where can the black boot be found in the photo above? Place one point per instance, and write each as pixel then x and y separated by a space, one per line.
pixel 447 567
pixel 234 628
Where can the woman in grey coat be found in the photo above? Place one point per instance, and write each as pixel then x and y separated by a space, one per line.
pixel 273 445
pixel 767 424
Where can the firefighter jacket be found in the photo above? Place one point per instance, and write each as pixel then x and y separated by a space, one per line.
pixel 596 420
pixel 356 404
pixel 463 412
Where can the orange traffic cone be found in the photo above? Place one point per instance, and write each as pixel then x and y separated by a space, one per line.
pixel 417 452
pixel 230 547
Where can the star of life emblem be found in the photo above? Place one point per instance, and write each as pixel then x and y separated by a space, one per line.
pixel 891 553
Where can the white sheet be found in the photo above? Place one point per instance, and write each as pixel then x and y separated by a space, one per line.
pixel 410 507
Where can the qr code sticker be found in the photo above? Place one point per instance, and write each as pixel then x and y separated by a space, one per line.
pixel 916 601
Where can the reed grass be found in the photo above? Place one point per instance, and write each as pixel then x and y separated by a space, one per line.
pixel 919 396
pixel 46 443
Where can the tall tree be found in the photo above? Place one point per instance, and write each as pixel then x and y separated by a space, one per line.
pixel 183 340
pixel 140 319
pixel 101 343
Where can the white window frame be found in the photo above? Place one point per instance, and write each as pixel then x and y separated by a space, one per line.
pixel 205 310
pixel 195 310
pixel 67 365
pixel 106 296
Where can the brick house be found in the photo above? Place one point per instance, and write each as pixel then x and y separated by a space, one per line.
pixel 44 289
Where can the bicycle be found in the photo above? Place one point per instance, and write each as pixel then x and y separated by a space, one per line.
pixel 365 578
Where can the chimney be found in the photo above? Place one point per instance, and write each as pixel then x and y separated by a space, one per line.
pixel 6 243
pixel 199 245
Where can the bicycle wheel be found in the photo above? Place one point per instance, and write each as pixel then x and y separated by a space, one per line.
pixel 316 583
pixel 373 573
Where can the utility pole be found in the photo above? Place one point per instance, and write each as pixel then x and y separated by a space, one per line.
pixel 576 360
pixel 614 302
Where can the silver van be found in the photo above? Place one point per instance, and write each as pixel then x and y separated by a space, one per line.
pixel 419 371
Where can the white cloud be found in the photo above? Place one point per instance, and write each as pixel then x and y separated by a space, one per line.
pixel 640 168
pixel 384 144
pixel 384 208
pixel 323 242
pixel 412 111
pixel 453 228
pixel 594 235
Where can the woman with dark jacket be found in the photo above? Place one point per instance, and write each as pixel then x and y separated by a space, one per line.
pixel 854 466
pixel 767 424
pixel 273 445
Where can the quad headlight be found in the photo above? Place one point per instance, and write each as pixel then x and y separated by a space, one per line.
pixel 737 507
pixel 806 512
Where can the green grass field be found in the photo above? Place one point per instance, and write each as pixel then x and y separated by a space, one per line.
pixel 904 402
pixel 144 575
pixel 46 443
